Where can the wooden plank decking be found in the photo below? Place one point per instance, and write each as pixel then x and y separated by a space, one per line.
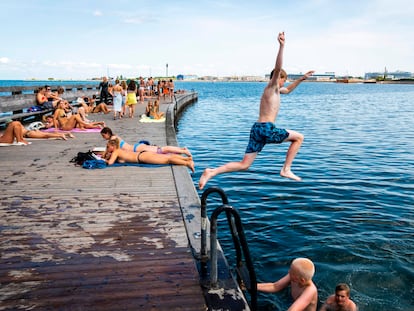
pixel 103 239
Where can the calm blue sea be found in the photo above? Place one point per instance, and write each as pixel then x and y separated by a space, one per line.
pixel 353 212
pixel 42 82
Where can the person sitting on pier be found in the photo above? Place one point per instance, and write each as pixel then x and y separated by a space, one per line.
pixel 303 290
pixel 156 114
pixel 43 100
pixel 107 134
pixel 153 110
pixel 90 105
pixel 63 122
pixel 115 154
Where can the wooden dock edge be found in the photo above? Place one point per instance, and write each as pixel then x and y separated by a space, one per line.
pixel 229 295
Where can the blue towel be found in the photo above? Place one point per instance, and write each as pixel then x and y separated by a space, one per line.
pixel 92 164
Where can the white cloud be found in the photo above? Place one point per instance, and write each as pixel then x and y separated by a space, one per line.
pixel 4 60
pixel 213 37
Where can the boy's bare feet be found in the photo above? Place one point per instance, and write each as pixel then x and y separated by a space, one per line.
pixel 207 174
pixel 289 174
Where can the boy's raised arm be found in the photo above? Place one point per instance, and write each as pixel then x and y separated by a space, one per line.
pixel 279 60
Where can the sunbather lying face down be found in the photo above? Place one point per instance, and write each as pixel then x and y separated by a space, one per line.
pixel 107 134
pixel 114 153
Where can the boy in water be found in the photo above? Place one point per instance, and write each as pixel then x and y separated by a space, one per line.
pixel 264 130
pixel 303 290
pixel 340 301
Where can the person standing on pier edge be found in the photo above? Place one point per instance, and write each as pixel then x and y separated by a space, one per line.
pixel 104 87
pixel 264 130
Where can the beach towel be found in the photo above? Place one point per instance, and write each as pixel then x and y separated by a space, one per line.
pixel 93 164
pixel 75 130
pixel 145 119
pixel 13 144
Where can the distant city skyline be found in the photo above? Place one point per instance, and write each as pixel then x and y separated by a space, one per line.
pixel 82 39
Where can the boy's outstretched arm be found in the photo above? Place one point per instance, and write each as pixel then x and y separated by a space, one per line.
pixel 294 84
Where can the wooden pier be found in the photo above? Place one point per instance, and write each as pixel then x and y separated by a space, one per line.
pixel 101 239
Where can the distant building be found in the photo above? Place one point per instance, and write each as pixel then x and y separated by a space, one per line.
pixel 187 77
pixel 396 75
pixel 327 76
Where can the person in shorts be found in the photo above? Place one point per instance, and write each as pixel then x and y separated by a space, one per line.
pixel 264 131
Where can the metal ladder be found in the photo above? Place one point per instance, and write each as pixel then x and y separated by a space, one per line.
pixel 246 275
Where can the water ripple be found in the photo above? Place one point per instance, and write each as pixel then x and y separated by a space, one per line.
pixel 353 211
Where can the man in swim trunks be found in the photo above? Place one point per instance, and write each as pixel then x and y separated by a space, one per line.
pixel 264 130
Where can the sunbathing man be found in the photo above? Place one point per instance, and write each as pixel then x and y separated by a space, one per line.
pixel 115 154
pixel 107 134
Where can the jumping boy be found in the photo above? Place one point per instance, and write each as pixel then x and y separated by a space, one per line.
pixel 264 130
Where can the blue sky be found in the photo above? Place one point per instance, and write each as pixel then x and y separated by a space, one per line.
pixel 81 39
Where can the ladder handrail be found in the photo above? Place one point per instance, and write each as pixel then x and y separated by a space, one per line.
pixel 239 241
pixel 213 250
pixel 203 246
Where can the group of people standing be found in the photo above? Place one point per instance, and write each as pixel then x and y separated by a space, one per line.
pixel 126 94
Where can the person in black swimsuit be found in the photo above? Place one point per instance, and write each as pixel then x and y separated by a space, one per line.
pixel 115 154
pixel 104 93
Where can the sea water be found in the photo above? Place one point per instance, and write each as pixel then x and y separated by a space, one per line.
pixel 352 214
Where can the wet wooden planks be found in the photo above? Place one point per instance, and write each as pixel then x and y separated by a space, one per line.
pixel 104 239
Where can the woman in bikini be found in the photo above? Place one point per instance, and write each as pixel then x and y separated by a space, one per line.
pixel 107 134
pixel 65 123
pixel 115 154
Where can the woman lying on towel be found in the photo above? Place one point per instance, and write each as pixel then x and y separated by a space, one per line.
pixel 67 123
pixel 107 134
pixel 114 153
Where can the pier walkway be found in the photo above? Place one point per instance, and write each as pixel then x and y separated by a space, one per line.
pixel 102 239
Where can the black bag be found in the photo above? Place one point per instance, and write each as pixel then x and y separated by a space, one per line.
pixel 82 157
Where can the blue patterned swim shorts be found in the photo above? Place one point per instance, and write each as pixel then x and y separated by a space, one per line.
pixel 263 133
